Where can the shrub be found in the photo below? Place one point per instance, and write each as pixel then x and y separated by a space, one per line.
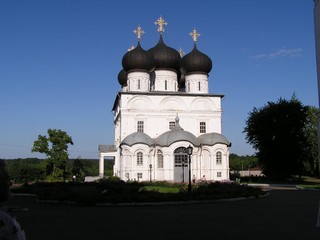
pixel 114 190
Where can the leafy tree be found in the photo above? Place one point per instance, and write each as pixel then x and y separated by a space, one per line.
pixel 311 165
pixel 78 169
pixel 277 132
pixel 239 163
pixel 55 147
pixel 25 170
pixel 91 167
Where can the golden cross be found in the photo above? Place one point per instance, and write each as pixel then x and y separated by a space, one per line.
pixel 160 22
pixel 139 32
pixel 181 52
pixel 194 34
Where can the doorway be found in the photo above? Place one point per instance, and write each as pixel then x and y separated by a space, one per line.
pixel 181 165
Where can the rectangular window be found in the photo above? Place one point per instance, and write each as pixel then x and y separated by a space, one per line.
pixel 140 126
pixel 160 159
pixel 199 86
pixel 165 85
pixel 139 159
pixel 139 84
pixel 219 174
pixel 139 176
pixel 203 127
pixel 172 125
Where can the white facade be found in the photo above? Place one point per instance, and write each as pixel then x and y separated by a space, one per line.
pixel 153 113
pixel 155 121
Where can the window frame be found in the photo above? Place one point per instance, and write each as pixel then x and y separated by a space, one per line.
pixel 139 159
pixel 172 124
pixel 203 127
pixel 219 158
pixel 140 126
pixel 159 159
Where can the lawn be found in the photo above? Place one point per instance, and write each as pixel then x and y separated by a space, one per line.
pixel 161 189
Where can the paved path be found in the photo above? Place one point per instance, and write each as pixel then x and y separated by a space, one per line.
pixel 285 214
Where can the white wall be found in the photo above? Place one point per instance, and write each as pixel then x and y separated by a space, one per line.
pixel 158 110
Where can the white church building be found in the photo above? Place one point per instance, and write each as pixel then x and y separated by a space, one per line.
pixel 164 107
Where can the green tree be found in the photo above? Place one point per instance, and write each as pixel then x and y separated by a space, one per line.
pixel 78 169
pixel 55 147
pixel 277 132
pixel 311 163
pixel 25 170
pixel 239 163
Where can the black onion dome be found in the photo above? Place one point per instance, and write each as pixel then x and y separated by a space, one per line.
pixel 137 59
pixel 122 78
pixel 196 61
pixel 165 57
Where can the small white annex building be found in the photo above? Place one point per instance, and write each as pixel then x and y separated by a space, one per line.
pixel 164 107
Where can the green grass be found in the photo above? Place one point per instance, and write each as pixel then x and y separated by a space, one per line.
pixel 309 186
pixel 162 189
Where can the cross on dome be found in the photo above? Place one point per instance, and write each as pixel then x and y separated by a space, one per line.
pixel 194 34
pixel 139 32
pixel 181 52
pixel 160 22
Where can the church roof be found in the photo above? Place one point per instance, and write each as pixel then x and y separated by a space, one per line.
pixel 196 61
pixel 213 138
pixel 165 57
pixel 170 137
pixel 176 134
pixel 107 148
pixel 137 59
pixel 136 138
pixel 122 78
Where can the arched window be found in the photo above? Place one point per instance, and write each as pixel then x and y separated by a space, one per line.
pixel 139 159
pixel 160 159
pixel 219 158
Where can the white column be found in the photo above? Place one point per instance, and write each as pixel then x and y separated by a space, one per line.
pixel 101 166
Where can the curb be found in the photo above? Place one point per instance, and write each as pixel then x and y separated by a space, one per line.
pixel 150 203
pixel 181 202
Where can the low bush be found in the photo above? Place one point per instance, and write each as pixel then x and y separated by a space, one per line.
pixel 113 190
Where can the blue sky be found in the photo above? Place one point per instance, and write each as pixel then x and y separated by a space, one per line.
pixel 59 62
